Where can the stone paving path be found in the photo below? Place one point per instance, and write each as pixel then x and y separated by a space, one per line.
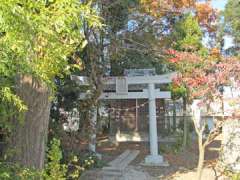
pixel 116 168
pixel 130 173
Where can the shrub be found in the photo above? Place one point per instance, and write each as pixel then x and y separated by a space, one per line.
pixel 77 166
pixel 9 171
pixel 236 176
pixel 54 169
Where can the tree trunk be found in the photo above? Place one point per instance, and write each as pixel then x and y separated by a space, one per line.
pixel 174 116
pixel 185 124
pixel 200 158
pixel 29 138
pixel 93 133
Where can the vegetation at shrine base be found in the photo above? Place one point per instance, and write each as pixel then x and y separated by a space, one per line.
pixel 58 58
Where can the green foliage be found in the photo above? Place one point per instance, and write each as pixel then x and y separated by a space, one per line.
pixel 91 161
pixel 177 91
pixel 187 37
pixel 74 169
pixel 39 36
pixel 139 55
pixel 232 19
pixel 187 34
pixel 54 168
pixel 36 38
pixel 115 14
pixel 175 147
pixel 77 166
pixel 130 59
pixel 10 104
pixel 232 175
pixel 15 172
pixel 236 176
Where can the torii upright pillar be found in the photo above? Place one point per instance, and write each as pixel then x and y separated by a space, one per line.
pixel 154 158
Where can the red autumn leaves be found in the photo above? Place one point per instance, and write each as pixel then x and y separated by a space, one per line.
pixel 203 76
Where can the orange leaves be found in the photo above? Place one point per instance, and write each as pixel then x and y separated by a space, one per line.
pixel 183 3
pixel 154 3
pixel 160 8
pixel 203 10
pixel 215 53
pixel 206 15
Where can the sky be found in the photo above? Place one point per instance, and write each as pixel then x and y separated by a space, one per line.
pixel 219 4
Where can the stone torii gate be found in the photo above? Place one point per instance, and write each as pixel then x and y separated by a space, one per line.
pixel 150 93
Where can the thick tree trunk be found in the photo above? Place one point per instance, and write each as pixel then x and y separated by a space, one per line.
pixel 200 158
pixel 29 138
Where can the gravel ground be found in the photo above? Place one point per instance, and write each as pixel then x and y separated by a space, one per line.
pixel 182 165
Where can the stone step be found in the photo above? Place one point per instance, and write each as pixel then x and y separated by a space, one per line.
pixel 111 173
pixel 131 156
pixel 111 168
pixel 122 156
pixel 117 166
pixel 124 159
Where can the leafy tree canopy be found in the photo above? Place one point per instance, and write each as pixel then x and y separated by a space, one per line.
pixel 232 19
pixel 36 38
pixel 232 16
pixel 187 34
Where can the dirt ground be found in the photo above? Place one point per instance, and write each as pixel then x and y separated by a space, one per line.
pixel 182 165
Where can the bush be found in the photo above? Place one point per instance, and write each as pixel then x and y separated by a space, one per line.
pixel 54 169
pixel 77 166
pixel 9 171
pixel 91 160
pixel 74 168
pixel 236 176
